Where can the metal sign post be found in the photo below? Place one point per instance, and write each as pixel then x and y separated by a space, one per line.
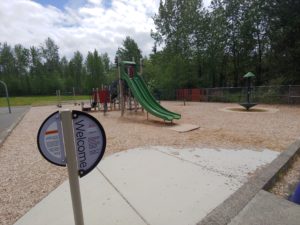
pixel 68 135
pixel 74 139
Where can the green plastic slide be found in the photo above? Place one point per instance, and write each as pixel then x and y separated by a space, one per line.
pixel 151 102
pixel 147 101
pixel 141 83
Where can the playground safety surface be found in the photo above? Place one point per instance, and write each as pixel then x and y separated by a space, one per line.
pixel 184 127
pixel 26 178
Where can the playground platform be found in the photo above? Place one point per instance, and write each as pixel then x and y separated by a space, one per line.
pixel 163 185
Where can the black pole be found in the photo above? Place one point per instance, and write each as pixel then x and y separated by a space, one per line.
pixel 248 90
pixel 7 97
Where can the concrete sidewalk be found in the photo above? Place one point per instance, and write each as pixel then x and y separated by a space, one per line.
pixel 156 186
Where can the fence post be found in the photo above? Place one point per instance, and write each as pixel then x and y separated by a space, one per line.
pixel 207 94
pixel 289 97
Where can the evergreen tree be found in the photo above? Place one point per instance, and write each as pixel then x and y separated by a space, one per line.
pixel 129 51
pixel 95 70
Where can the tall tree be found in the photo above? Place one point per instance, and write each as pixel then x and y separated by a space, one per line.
pixel 129 50
pixel 95 70
pixel 106 62
pixel 7 61
pixel 22 59
pixel 177 25
pixel 51 55
pixel 234 18
pixel 284 33
pixel 76 70
pixel 36 71
pixel 213 47
pixel 8 71
pixel 22 68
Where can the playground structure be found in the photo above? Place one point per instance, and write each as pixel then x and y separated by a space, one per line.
pixel 130 92
pixel 107 99
pixel 102 99
pixel 138 87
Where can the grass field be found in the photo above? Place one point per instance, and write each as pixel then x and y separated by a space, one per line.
pixel 39 100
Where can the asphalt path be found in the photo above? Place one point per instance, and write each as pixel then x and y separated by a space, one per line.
pixel 9 120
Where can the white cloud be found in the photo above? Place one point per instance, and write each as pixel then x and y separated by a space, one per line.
pixel 95 2
pixel 85 27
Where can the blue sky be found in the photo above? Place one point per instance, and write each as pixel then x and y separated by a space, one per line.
pixel 57 3
pixel 71 3
pixel 82 25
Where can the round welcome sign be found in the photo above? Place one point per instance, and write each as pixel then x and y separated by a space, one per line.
pixel 88 135
pixel 90 141
pixel 50 140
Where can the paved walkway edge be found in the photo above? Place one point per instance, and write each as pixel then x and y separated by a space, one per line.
pixel 11 128
pixel 225 212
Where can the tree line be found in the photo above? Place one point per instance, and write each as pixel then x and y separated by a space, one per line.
pixel 41 70
pixel 194 47
pixel 215 47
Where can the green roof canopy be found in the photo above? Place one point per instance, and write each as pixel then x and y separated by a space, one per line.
pixel 249 74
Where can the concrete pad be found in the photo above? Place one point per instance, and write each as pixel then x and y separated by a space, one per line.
pixel 164 189
pixel 266 208
pixel 157 186
pixel 100 202
pixel 183 127
pixel 172 190
pixel 230 163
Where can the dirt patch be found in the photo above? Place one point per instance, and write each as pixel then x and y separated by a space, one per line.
pixel 26 177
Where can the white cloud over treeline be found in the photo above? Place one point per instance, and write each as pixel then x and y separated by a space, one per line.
pixel 86 27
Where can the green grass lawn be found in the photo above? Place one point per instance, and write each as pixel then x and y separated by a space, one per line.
pixel 40 100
